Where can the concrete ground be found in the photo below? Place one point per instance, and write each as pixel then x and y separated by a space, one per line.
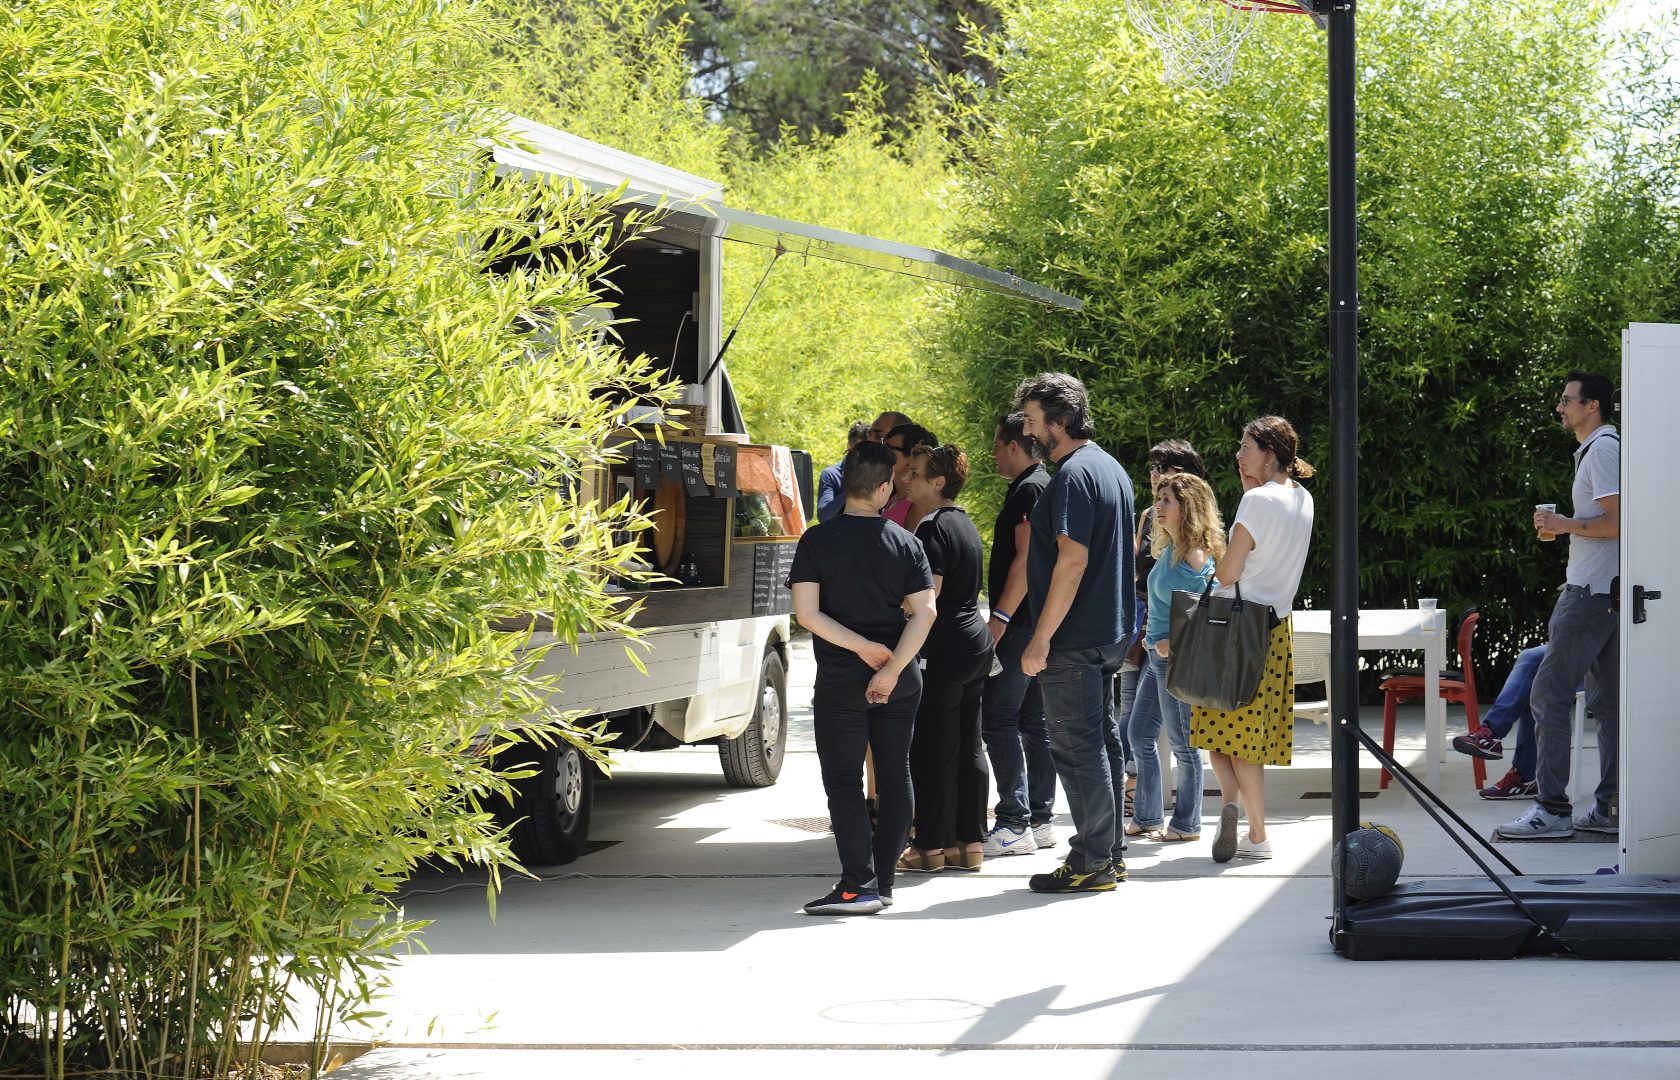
pixel 682 947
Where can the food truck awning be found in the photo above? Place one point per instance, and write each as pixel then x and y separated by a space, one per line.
pixel 693 206
pixel 818 242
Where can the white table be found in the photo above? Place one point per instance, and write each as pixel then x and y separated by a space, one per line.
pixel 1404 628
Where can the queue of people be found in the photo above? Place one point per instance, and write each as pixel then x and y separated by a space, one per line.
pixel 911 678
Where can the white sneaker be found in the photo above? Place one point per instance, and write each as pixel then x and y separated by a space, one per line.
pixel 1003 840
pixel 1536 822
pixel 1596 820
pixel 1044 835
pixel 1250 848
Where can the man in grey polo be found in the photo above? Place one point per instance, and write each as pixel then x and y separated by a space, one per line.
pixel 1583 637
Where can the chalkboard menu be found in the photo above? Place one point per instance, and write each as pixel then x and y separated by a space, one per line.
pixel 694 481
pixel 645 455
pixel 723 467
pixel 772 563
pixel 670 464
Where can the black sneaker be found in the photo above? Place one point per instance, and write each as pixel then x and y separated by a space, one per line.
pixel 846 900
pixel 1065 879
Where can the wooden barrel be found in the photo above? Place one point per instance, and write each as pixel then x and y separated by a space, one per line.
pixel 666 541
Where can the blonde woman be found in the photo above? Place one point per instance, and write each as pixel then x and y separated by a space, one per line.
pixel 1265 556
pixel 1186 539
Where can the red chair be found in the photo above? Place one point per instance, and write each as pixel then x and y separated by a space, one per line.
pixel 1460 688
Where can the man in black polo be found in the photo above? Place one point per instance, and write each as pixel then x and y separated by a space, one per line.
pixel 1012 710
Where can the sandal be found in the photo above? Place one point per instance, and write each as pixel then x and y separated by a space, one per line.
pixel 1173 836
pixel 922 862
pixel 1144 832
pixel 963 859
pixel 1131 788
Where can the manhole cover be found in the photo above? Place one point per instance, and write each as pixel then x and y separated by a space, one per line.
pixel 805 824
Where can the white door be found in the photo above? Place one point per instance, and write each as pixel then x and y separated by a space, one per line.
pixel 1650 799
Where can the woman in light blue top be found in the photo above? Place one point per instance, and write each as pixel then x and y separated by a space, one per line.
pixel 1187 537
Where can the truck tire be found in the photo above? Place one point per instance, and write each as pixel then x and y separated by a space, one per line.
pixel 551 808
pixel 754 757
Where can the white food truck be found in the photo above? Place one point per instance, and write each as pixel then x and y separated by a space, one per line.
pixel 727 511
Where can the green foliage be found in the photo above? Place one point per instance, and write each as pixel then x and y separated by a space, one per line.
pixel 1193 224
pixel 276 449
pixel 826 343
pixel 615 71
pixel 779 67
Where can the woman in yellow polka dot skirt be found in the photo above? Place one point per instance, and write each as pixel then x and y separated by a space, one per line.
pixel 1266 554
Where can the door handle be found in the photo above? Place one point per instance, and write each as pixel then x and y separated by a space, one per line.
pixel 1640 595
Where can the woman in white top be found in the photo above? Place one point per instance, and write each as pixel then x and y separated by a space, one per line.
pixel 1266 554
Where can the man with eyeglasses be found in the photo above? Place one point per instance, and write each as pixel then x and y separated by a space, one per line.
pixel 1012 709
pixel 884 424
pixel 1584 633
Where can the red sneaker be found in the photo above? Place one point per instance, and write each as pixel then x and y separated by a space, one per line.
pixel 1511 786
pixel 1480 743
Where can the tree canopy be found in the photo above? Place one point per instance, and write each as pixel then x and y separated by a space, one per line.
pixel 1192 223
pixel 772 65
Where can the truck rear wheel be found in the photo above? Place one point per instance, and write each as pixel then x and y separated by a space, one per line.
pixel 754 757
pixel 551 807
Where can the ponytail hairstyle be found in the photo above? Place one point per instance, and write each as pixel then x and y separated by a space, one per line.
pixel 1274 434
pixel 1200 525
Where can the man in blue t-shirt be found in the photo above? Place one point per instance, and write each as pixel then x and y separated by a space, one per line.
pixel 1080 585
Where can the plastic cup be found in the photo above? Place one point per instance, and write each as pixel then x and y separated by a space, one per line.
pixel 1549 508
pixel 1426 603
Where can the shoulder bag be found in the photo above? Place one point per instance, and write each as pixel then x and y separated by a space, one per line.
pixel 1219 647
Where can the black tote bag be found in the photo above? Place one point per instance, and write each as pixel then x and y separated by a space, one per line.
pixel 1219 647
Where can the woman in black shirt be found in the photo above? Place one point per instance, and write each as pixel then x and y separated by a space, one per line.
pixel 947 757
pixel 855 578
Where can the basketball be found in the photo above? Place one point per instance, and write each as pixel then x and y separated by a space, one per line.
pixel 1388 832
pixel 1374 856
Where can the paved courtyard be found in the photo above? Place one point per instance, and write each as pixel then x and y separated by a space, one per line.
pixel 681 947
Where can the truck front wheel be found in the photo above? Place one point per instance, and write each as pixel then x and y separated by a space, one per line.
pixel 754 757
pixel 551 807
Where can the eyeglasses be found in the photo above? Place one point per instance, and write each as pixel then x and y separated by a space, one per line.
pixel 1567 398
pixel 1156 467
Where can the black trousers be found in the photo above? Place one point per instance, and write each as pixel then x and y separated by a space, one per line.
pixel 845 724
pixel 948 757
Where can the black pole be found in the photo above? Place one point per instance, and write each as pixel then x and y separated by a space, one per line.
pixel 1344 440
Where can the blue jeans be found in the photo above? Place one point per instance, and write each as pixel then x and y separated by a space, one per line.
pixel 1510 710
pixel 1584 640
pixel 1149 802
pixel 1078 687
pixel 1017 742
pixel 1121 758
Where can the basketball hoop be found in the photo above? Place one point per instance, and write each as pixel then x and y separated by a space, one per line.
pixel 1199 39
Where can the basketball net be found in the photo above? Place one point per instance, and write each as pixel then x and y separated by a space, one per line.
pixel 1199 39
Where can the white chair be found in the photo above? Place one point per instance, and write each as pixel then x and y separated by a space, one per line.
pixel 1312 665
pixel 1579 786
